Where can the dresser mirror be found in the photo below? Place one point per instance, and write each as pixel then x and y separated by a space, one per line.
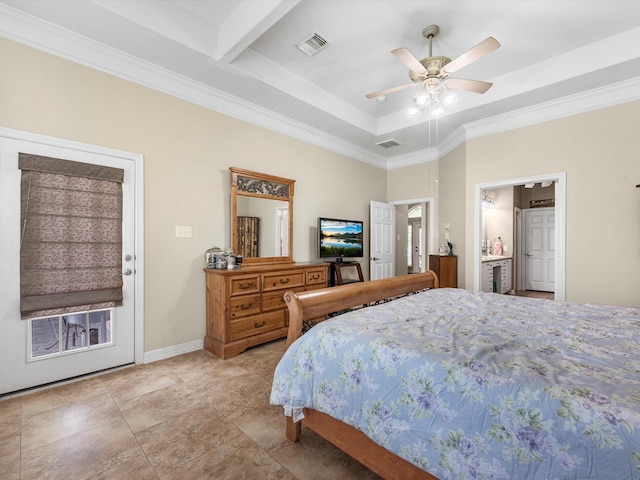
pixel 261 217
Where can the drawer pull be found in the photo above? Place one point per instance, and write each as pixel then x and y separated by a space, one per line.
pixel 284 281
pixel 261 324
pixel 315 277
pixel 244 286
pixel 246 306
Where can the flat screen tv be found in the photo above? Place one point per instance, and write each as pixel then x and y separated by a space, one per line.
pixel 339 238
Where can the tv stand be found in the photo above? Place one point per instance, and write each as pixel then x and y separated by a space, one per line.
pixel 340 267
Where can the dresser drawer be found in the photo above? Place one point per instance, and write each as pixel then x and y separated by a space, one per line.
pixel 241 285
pixel 248 326
pixel 317 276
pixel 275 300
pixel 244 305
pixel 283 280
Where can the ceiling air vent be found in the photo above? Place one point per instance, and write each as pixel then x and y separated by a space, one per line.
pixel 388 143
pixel 312 44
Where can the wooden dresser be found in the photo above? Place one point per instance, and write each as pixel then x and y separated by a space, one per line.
pixel 245 306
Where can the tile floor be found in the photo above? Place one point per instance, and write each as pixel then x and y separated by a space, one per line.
pixel 189 417
pixel 535 294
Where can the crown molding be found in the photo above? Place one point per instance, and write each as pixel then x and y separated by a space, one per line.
pixel 28 30
pixel 602 97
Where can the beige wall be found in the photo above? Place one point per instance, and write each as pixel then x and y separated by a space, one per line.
pixel 600 152
pixel 187 153
pixel 451 210
pixel 413 182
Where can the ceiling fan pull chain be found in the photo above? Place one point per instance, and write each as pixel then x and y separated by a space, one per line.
pixel 429 126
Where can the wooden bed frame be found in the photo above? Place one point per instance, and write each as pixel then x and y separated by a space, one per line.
pixel 317 304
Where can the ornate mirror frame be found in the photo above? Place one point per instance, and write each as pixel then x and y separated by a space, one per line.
pixel 260 185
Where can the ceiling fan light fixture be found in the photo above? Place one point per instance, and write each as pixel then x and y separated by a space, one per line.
pixel 422 97
pixel 437 110
pixel 449 98
pixel 413 111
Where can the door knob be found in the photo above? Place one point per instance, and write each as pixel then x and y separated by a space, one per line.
pixel 128 271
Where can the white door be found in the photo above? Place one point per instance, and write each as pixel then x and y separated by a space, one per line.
pixel 416 247
pixel 381 236
pixel 282 231
pixel 540 249
pixel 18 368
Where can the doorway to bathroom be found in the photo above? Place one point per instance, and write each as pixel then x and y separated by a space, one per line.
pixel 537 253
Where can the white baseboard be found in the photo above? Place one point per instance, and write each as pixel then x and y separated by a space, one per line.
pixel 168 352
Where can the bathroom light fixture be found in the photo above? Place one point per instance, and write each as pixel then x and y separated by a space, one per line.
pixel 488 201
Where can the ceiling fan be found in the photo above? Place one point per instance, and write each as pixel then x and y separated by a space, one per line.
pixel 433 72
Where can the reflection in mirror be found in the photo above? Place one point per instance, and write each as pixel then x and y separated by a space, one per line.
pixel 263 229
pixel 261 216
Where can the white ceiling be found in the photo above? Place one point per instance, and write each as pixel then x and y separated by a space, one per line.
pixel 240 58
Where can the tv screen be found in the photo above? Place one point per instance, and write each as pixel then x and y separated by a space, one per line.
pixel 339 238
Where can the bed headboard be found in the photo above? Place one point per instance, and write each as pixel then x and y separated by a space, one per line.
pixel 316 304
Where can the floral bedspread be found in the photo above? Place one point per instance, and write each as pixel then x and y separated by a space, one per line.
pixel 470 385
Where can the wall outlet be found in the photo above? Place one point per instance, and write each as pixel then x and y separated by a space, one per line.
pixel 505 248
pixel 184 232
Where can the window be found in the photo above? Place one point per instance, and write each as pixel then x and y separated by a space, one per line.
pixel 58 334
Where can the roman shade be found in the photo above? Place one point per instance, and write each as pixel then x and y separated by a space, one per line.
pixel 71 236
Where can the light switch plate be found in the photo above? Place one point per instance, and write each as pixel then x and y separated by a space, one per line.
pixel 184 232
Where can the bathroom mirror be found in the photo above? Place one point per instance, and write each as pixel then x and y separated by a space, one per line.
pixel 261 217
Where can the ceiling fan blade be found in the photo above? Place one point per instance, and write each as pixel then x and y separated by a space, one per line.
pixel 483 48
pixel 475 86
pixel 406 57
pixel 387 91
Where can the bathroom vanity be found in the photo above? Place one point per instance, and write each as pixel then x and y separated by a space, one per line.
pixel 496 274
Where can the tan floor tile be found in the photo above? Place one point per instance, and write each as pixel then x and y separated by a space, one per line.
pixel 82 455
pixel 10 457
pixel 313 458
pixel 252 392
pixel 237 459
pixel 182 439
pixel 54 424
pixel 136 468
pixel 62 395
pixel 131 383
pixel 265 427
pixel 10 419
pixel 155 407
